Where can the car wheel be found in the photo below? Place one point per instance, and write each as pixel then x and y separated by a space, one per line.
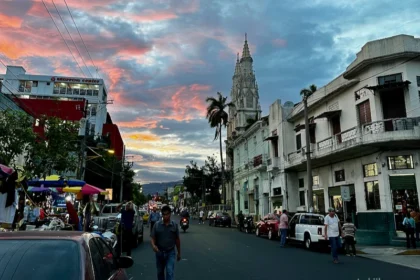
pixel 308 242
pixel 257 232
pixel 270 235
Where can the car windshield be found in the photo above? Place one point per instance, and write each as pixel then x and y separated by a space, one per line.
pixel 39 259
pixel 108 209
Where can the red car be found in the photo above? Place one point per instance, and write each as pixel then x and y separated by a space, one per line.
pixel 268 226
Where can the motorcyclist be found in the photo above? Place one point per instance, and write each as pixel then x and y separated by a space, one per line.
pixel 241 219
pixel 185 214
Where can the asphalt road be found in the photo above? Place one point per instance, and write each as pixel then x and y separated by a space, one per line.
pixel 223 253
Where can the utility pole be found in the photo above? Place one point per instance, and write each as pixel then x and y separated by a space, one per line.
pixel 308 154
pixel 122 175
pixel 81 171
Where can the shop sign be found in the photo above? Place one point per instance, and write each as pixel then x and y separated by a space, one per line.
pixel 345 193
pixel 75 80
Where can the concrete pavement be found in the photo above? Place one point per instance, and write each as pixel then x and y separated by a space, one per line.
pixel 223 253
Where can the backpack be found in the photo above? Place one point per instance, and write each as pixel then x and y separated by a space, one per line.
pixel 408 225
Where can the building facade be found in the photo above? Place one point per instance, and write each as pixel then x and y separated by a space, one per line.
pixel 365 141
pixel 18 83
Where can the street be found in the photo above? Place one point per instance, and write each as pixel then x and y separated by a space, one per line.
pixel 223 253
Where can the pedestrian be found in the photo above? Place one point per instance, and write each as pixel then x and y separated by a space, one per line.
pixel 201 217
pixel 332 232
pixel 127 220
pixel 153 218
pixel 164 239
pixel 409 228
pixel 349 230
pixel 284 225
pixel 416 216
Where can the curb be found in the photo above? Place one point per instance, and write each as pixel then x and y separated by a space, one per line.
pixel 403 253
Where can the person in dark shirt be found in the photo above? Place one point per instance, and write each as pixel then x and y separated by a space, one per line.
pixel 127 220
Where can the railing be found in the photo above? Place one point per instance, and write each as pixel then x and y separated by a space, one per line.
pixel 384 129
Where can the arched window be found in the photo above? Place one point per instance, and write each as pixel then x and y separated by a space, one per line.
pixel 249 100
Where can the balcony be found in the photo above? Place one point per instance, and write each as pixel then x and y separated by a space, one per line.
pixel 367 138
pixel 273 164
pixel 260 162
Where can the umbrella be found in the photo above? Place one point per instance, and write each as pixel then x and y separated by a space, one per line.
pixel 56 181
pixel 5 170
pixel 42 189
pixel 72 189
pixel 89 189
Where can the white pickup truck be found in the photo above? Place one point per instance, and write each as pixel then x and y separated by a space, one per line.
pixel 307 228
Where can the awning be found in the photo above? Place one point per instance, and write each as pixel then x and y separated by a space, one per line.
pixel 273 137
pixel 393 85
pixel 329 114
pixel 302 126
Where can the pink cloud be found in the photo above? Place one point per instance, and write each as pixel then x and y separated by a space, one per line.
pixel 279 42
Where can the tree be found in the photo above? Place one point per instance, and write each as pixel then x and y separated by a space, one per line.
pixel 218 118
pixel 138 197
pixel 16 135
pixel 305 93
pixel 56 149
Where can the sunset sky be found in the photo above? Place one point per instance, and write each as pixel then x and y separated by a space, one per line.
pixel 161 58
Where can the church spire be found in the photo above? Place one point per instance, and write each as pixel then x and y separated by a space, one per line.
pixel 237 66
pixel 246 55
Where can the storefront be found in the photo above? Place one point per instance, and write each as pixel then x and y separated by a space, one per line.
pixel 404 196
pixel 343 208
pixel 277 202
pixel 319 201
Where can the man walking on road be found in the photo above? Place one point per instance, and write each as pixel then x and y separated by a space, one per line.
pixel 284 224
pixel 153 218
pixel 127 220
pixel 332 232
pixel 201 221
pixel 165 236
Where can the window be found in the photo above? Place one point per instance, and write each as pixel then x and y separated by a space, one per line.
pixel 276 191
pixel 315 180
pixel 418 81
pixel 390 79
pixel 249 100
pixel 92 129
pixel 339 176
pixel 93 110
pixel 246 204
pixel 301 183
pixel 312 137
pixel 372 195
pixel 25 86
pixel 301 198
pixel 363 110
pixel 98 260
pixel 34 83
pixel 370 170
pixel 108 257
pixel 400 162
pixel 298 142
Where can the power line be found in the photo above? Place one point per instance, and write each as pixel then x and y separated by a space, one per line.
pixel 65 26
pixel 84 75
pixel 80 35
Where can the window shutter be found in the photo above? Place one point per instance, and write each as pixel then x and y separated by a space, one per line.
pixel 364 112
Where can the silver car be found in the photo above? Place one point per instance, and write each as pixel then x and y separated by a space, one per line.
pixel 111 215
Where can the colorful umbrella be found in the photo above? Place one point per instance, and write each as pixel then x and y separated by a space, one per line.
pixel 89 189
pixel 72 189
pixel 56 181
pixel 42 189
pixel 5 170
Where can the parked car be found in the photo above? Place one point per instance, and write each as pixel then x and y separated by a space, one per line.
pixel 220 219
pixel 109 216
pixel 65 255
pixel 268 226
pixel 145 216
pixel 309 229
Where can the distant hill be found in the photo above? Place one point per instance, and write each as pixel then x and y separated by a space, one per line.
pixel 153 188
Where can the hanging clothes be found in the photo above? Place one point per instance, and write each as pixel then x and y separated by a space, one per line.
pixel 7 214
pixel 9 187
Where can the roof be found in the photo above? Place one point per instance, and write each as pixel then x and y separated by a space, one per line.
pixel 67 235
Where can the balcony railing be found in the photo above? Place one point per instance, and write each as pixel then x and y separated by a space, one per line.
pixel 378 131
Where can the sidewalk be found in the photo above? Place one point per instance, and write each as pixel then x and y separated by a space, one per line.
pixel 394 255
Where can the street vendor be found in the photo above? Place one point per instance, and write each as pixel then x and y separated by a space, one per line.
pixel 91 210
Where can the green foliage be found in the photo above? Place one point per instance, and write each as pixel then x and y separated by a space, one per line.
pixel 306 92
pixel 138 197
pixel 216 114
pixel 56 151
pixel 16 135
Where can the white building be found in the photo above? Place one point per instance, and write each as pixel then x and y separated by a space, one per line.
pixel 16 81
pixel 364 134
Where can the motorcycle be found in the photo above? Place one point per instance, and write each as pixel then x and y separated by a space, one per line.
pixel 185 223
pixel 249 224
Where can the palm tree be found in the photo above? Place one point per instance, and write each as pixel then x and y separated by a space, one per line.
pixel 218 118
pixel 305 93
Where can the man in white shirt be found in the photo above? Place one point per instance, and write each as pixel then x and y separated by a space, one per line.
pixel 332 232
pixel 201 217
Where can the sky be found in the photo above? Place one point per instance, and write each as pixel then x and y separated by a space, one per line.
pixel 160 59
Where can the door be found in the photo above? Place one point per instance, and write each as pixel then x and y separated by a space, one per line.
pixel 393 107
pixel 336 127
pixel 292 226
